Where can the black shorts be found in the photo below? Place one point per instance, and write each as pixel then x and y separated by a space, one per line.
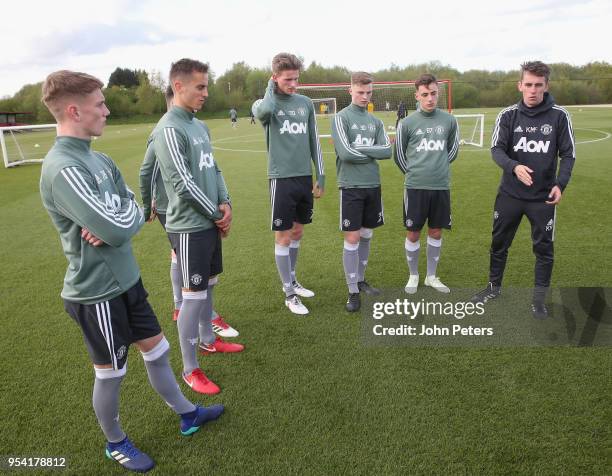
pixel 109 327
pixel 198 256
pixel 432 206
pixel 292 201
pixel 234 119
pixel 361 207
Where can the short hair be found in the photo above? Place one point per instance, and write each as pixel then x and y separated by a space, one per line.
pixel 361 77
pixel 425 80
pixel 186 66
pixel 284 62
pixel 62 84
pixel 537 68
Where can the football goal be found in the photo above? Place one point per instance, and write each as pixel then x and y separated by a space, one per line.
pixel 386 96
pixel 471 128
pixel 324 106
pixel 26 144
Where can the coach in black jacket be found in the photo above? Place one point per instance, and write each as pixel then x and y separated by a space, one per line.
pixel 527 140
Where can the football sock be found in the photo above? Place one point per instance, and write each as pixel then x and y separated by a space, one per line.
pixel 412 255
pixel 162 379
pixel 294 248
pixel 283 264
pixel 106 402
pixel 350 260
pixel 364 252
pixel 189 319
pixel 207 336
pixel 177 286
pixel 433 255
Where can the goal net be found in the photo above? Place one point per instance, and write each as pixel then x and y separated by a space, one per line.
pixel 26 144
pixel 388 98
pixel 386 95
pixel 324 106
pixel 471 129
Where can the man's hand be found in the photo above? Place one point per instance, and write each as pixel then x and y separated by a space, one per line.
pixel 555 195
pixel 523 173
pixel 317 191
pixel 90 238
pixel 153 212
pixel 225 222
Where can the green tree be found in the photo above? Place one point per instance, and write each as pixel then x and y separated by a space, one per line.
pixel 123 77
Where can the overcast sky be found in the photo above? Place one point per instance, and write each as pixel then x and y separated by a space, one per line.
pixel 41 37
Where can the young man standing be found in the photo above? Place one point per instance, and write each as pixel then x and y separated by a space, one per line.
pixel 155 202
pixel 292 140
pixel 527 140
pixel 198 215
pixel 427 142
pixel 360 140
pixel 234 117
pixel 96 216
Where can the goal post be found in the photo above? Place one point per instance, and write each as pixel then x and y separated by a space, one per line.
pixel 26 144
pixel 471 129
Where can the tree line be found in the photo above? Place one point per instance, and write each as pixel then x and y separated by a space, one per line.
pixel 139 95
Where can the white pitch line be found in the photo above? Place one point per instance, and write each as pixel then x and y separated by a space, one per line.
pixel 256 151
pixel 606 136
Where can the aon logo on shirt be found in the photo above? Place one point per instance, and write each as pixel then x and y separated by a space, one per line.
pixel 293 127
pixel 532 145
pixel 206 160
pixel 363 140
pixel 430 145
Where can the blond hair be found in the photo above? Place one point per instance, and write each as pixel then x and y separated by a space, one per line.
pixel 65 84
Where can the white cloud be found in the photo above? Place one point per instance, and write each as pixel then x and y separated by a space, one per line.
pixel 369 35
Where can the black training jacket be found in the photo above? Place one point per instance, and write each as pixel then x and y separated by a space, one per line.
pixel 535 137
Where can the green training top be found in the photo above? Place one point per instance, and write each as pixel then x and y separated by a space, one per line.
pixel 425 145
pixel 151 183
pixel 291 135
pixel 360 140
pixel 193 182
pixel 81 188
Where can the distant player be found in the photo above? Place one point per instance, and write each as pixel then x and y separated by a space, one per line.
pixel 199 213
pixel 96 216
pixel 427 141
pixel 292 140
pixel 155 202
pixel 359 140
pixel 402 111
pixel 234 117
pixel 527 140
pixel 252 115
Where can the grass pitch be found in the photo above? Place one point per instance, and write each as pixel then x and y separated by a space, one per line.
pixel 307 396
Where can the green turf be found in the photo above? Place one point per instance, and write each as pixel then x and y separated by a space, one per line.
pixel 307 396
